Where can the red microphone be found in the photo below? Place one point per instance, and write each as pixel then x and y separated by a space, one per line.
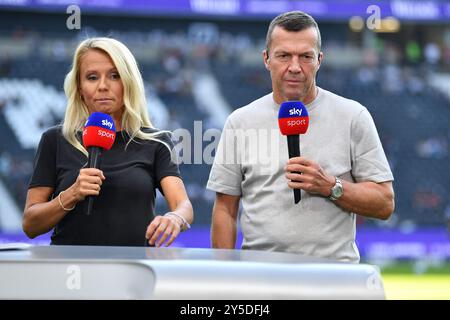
pixel 99 134
pixel 293 120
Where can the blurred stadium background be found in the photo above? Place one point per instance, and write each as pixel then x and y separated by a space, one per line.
pixel 201 59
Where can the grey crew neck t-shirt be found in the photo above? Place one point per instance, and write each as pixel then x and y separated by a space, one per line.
pixel 250 162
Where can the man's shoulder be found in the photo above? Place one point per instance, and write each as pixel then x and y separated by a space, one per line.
pixel 249 111
pixel 342 103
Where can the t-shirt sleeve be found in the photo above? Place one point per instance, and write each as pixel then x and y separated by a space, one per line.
pixel 165 162
pixel 369 162
pixel 44 170
pixel 226 172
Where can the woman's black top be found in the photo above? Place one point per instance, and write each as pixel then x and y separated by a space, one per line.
pixel 125 206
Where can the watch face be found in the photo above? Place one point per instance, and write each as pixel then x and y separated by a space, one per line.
pixel 337 191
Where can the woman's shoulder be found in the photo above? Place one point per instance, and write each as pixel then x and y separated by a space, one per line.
pixel 53 132
pixel 158 133
pixel 159 136
pixel 50 138
pixel 151 130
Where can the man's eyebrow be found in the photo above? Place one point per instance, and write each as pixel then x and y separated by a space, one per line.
pixel 277 51
pixel 281 51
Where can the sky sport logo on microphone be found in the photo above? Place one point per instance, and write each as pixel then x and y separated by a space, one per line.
pixel 299 120
pixel 293 123
pixel 98 137
pixel 99 131
pixel 107 123
pixel 103 133
pixel 293 118
pixel 295 112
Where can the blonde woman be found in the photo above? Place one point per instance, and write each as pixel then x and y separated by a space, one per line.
pixel 105 78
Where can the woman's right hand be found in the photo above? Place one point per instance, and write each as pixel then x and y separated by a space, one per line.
pixel 41 215
pixel 88 183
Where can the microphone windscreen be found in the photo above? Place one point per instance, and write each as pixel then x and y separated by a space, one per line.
pixel 99 131
pixel 293 118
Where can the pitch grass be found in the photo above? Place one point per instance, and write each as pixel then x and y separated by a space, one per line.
pixel 413 281
pixel 417 287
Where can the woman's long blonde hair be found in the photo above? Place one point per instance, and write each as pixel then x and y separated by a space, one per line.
pixel 135 115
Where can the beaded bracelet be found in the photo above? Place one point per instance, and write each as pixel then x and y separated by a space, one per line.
pixel 61 204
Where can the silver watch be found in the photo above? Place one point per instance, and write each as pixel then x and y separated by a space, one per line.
pixel 337 190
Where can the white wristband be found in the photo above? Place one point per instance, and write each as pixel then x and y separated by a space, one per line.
pixel 184 224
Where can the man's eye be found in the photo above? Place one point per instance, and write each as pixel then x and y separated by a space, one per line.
pixel 307 58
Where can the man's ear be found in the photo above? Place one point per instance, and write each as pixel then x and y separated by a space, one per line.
pixel 266 59
pixel 319 59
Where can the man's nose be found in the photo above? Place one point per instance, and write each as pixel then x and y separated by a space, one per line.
pixel 295 65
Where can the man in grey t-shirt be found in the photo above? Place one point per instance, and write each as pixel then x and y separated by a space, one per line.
pixel 343 170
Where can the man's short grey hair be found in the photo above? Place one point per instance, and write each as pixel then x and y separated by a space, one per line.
pixel 293 21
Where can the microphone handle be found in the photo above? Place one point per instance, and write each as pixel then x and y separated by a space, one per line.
pixel 294 151
pixel 294 146
pixel 94 157
pixel 93 162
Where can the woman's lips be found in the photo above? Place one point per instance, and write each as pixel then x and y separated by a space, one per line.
pixel 104 100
